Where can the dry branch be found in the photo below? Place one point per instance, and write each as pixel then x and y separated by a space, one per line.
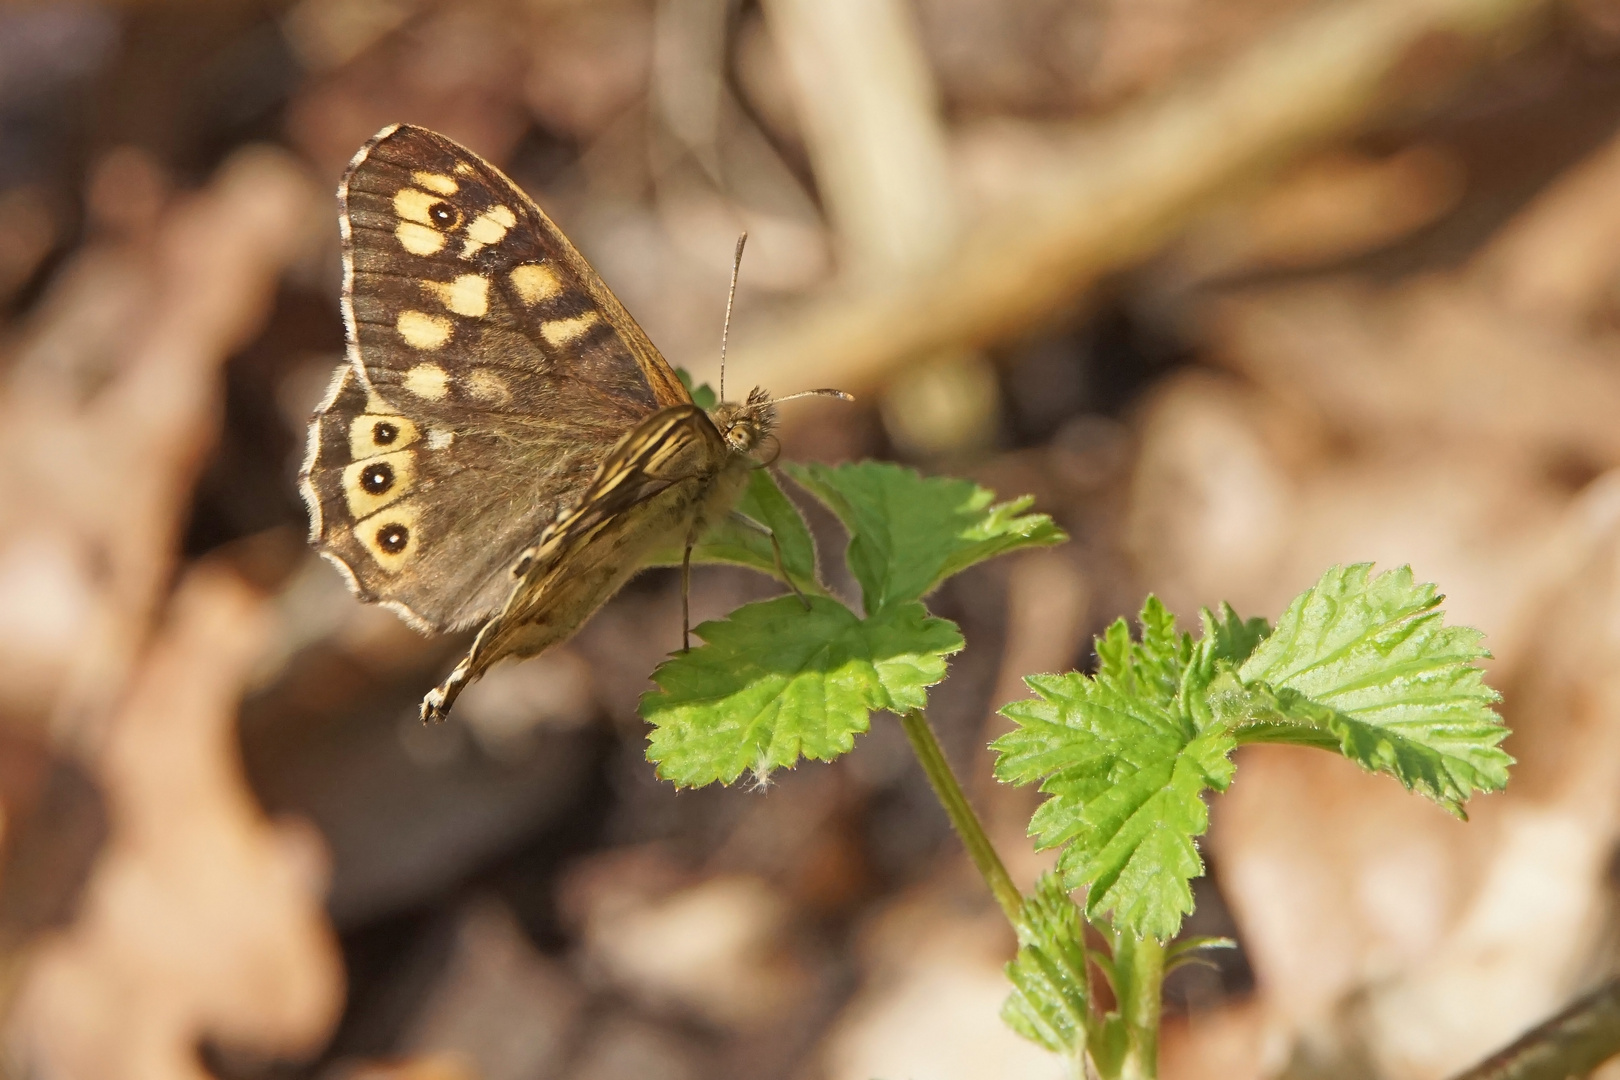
pixel 870 114
pixel 1138 179
pixel 1573 1043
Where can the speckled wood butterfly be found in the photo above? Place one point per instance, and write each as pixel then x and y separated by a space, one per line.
pixel 503 444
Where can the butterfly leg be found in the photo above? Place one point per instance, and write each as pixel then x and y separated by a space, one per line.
pixel 686 594
pixel 776 551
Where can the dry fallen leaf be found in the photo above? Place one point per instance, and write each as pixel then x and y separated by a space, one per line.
pixel 710 949
pixel 930 999
pixel 107 411
pixel 203 919
pixel 501 1009
pixel 1434 359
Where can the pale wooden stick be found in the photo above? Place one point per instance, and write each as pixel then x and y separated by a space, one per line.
pixel 1141 176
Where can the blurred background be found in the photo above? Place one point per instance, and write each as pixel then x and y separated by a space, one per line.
pixel 1236 288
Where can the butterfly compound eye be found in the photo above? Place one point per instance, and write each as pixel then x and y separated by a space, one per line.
pixel 444 215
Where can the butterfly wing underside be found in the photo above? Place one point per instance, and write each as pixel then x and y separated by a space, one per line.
pixel 653 486
pixel 489 374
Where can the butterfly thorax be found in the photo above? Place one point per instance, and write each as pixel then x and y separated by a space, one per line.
pixel 744 425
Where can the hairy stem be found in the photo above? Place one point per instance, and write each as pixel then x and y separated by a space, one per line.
pixel 960 811
pixel 1140 964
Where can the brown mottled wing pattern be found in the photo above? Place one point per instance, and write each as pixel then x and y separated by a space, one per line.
pixel 672 446
pixel 653 481
pixel 490 372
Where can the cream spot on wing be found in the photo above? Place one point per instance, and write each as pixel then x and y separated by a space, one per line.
pixel 418 239
pixel 433 181
pixel 370 485
pixel 375 433
pixel 467 295
pixel 488 228
pixel 487 386
pixel 412 205
pixel 463 169
pixel 427 381
pixel 390 535
pixel 421 330
pixel 439 438
pixel 562 331
pixel 535 282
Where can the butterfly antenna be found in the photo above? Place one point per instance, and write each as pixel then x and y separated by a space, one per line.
pixel 839 394
pixel 731 297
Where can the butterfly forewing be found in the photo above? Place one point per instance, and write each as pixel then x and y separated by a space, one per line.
pixel 490 373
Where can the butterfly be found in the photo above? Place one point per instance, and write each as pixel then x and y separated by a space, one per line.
pixel 503 444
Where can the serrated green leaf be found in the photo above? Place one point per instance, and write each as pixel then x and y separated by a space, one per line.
pixel 1231 638
pixel 774 682
pixel 733 542
pixel 703 395
pixel 908 533
pixel 1125 773
pixel 1370 661
pixel 1050 1003
pixel 1226 640
pixel 1150 667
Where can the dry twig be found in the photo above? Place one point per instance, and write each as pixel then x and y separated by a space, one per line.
pixel 1573 1043
pixel 1141 176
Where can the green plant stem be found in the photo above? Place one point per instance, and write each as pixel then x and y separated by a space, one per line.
pixel 960 811
pixel 1139 969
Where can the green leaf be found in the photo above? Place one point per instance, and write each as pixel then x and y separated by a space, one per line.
pixel 1150 668
pixel 731 541
pixel 1230 638
pixel 908 533
pixel 703 395
pixel 1125 772
pixel 1369 662
pixel 1050 1003
pixel 1207 675
pixel 775 682
pixel 1190 951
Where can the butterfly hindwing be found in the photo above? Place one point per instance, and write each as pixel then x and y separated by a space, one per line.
pixel 659 477
pixel 490 372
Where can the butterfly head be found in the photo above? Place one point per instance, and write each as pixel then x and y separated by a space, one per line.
pixel 747 425
pixel 744 425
